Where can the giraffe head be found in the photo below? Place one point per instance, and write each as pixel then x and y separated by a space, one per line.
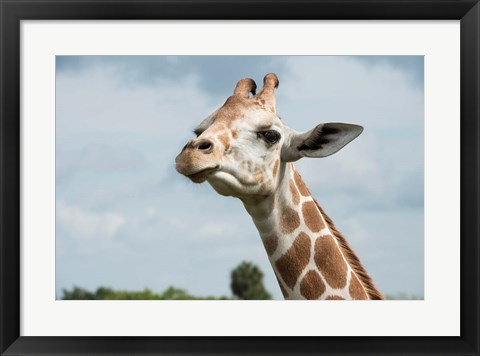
pixel 243 147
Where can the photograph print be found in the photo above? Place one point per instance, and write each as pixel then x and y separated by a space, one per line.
pixel 239 177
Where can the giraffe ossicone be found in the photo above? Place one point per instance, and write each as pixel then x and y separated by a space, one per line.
pixel 245 150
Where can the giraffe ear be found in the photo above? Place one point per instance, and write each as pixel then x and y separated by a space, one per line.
pixel 321 141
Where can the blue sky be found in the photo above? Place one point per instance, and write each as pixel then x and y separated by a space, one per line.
pixel 126 219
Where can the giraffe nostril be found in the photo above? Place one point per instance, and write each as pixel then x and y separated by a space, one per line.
pixel 204 146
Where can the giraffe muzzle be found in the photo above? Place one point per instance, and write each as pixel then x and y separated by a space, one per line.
pixel 195 161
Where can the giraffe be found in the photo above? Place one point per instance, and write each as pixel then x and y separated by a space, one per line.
pixel 244 150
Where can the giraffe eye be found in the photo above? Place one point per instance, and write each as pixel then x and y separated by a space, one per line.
pixel 271 136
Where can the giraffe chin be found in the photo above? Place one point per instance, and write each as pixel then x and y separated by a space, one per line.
pixel 203 175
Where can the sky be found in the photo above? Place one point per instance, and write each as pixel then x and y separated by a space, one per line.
pixel 126 219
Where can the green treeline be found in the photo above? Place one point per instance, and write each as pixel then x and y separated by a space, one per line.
pixel 104 293
pixel 246 282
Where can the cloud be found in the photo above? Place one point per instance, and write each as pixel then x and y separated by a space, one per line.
pixel 343 88
pixel 386 161
pixel 214 229
pixel 87 225
pixel 100 104
pixel 412 66
pixel 91 231
pixel 97 158
pixel 216 75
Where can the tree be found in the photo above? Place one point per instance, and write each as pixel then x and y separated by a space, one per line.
pixel 247 282
pixel 78 293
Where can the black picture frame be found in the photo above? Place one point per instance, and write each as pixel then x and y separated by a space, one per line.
pixel 12 12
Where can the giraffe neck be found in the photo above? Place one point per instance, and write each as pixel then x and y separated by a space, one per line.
pixel 309 260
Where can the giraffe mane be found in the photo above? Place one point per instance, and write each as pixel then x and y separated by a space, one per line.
pixel 352 259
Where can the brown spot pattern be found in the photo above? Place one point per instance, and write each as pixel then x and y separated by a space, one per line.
pixel 224 140
pixel 294 192
pixel 312 216
pixel 270 242
pixel 353 261
pixel 233 109
pixel 258 177
pixel 312 286
pixel 234 133
pixel 356 290
pixel 260 105
pixel 300 185
pixel 294 261
pixel 330 262
pixel 335 297
pixel 289 220
pixel 275 167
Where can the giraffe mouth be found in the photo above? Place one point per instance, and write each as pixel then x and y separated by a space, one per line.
pixel 203 175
